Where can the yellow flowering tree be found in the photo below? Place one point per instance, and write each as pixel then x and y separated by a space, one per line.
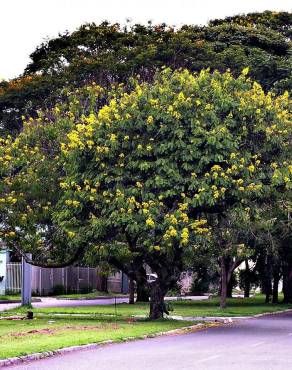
pixel 31 170
pixel 31 183
pixel 150 166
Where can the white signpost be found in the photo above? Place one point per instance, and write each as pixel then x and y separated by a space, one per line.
pixel 26 282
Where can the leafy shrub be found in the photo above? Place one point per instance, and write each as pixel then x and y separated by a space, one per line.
pixel 58 289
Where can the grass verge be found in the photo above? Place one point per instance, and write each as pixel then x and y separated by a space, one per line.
pixel 10 298
pixel 18 338
pixel 210 307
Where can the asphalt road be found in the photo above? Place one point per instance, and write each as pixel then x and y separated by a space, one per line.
pixel 255 344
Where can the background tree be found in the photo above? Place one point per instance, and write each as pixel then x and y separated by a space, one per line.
pixel 93 53
pixel 231 244
pixel 277 21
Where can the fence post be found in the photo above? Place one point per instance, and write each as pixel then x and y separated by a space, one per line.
pixel 124 283
pixel 66 280
pixel 78 279
pixel 40 281
pixel 26 282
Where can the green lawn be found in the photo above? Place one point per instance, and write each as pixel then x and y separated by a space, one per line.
pixel 9 297
pixel 29 336
pixel 210 307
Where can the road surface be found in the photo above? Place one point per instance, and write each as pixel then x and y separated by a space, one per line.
pixel 255 344
pixel 53 302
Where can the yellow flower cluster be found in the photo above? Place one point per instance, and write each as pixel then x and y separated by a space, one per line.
pixel 150 222
pixel 150 120
pixel 199 226
pixel 10 234
pixel 74 203
pixel 172 219
pixel 9 199
pixel 64 185
pixel 113 137
pixel 184 217
pixel 185 236
pixel 216 168
pixel 170 232
pixel 254 187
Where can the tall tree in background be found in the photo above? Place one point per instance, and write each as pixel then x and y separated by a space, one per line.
pixel 108 53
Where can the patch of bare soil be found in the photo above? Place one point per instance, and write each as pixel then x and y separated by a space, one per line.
pixel 50 331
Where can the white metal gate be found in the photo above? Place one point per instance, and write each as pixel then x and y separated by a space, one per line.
pixel 13 277
pixel 72 279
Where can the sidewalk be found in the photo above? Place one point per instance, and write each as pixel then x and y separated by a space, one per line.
pixel 54 302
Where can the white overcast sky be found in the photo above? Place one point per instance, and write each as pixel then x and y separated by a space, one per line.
pixel 24 24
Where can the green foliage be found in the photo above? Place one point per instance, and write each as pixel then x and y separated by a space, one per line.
pixel 94 53
pixel 277 21
pixel 31 168
pixel 148 171
pixel 144 172
pixel 156 169
pixel 58 289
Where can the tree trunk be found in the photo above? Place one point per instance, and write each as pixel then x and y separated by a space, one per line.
pixel 103 283
pixel 227 265
pixel 247 280
pixel 224 283
pixel 142 292
pixel 287 284
pixel 131 291
pixel 142 285
pixel 230 287
pixel 276 288
pixel 268 290
pixel 157 305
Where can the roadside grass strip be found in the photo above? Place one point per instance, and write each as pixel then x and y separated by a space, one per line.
pixel 25 337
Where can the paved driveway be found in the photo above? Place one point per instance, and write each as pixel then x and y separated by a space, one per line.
pixel 53 302
pixel 254 344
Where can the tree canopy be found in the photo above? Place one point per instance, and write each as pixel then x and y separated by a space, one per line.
pixel 109 53
pixel 152 164
pixel 105 150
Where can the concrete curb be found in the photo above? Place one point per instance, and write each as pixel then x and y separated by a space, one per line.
pixel 226 319
pixel 34 300
pixel 269 313
pixel 38 356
